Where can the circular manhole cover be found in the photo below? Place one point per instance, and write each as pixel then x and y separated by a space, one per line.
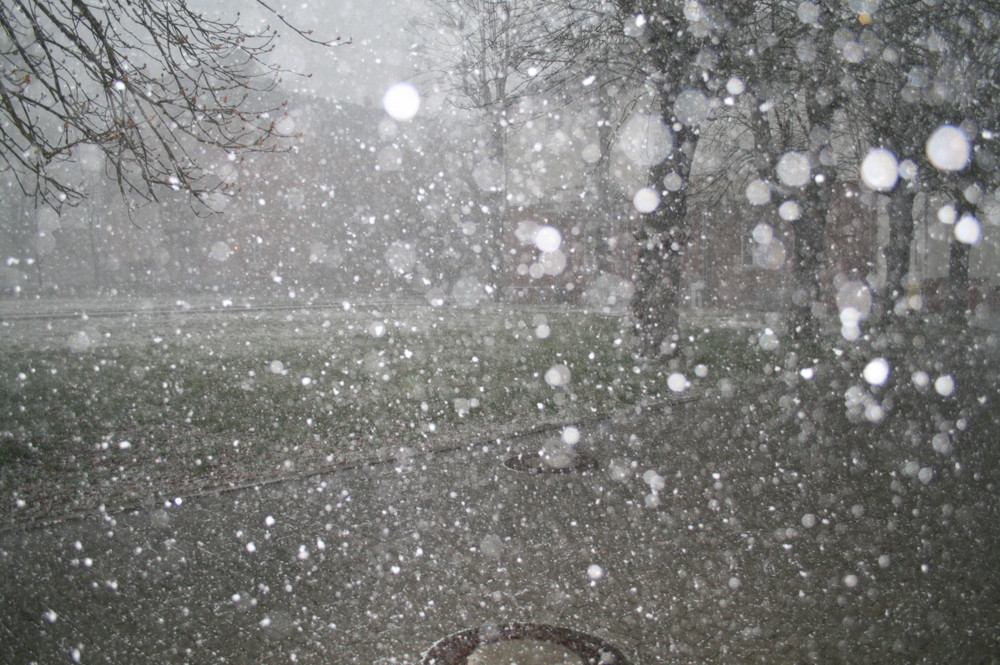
pixel 524 644
pixel 550 463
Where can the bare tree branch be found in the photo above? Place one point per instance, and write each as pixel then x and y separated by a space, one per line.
pixel 158 89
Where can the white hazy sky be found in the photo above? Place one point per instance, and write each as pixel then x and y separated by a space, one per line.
pixel 363 70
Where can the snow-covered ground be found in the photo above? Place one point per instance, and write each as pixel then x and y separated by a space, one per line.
pixel 709 533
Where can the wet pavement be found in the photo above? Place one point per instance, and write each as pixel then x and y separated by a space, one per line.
pixel 716 531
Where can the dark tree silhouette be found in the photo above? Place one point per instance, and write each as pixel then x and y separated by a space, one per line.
pixel 153 86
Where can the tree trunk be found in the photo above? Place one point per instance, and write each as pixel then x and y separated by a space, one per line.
pixel 661 239
pixel 496 218
pixel 807 248
pixel 94 259
pixel 958 281
pixel 897 250
pixel 810 230
pixel 611 220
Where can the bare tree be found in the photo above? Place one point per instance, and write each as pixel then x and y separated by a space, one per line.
pixel 488 56
pixel 925 64
pixel 835 82
pixel 149 88
pixel 677 50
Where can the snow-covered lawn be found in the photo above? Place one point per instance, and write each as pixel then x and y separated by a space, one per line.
pixel 114 409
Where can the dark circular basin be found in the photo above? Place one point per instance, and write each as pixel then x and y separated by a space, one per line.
pixel 524 643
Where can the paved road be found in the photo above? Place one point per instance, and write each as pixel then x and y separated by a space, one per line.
pixel 708 533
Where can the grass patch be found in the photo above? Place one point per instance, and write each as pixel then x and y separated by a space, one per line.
pixel 142 401
pixel 117 410
pixel 12 452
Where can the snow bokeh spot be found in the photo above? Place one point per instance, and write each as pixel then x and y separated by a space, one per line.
pixel 854 300
pixel 808 12
pixel 768 340
pixel 880 170
pixel 645 140
pixel 949 148
pixel 735 86
pixel 876 372
pixel 677 382
pixel 79 341
pixel 548 238
pixel 591 153
pixel 691 107
pixel 790 211
pixel 944 385
pixel 758 193
pixel 762 233
pixel 967 230
pixel 220 251
pixel 794 169
pixel 947 214
pixel 558 375
pixel 646 200
pixel 908 169
pixel 673 182
pixel 401 101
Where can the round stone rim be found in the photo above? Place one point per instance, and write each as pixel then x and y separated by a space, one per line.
pixel 534 463
pixel 456 649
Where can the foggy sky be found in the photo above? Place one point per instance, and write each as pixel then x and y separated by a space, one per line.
pixel 359 72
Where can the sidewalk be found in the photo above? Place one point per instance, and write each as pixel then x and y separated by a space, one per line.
pixel 706 534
